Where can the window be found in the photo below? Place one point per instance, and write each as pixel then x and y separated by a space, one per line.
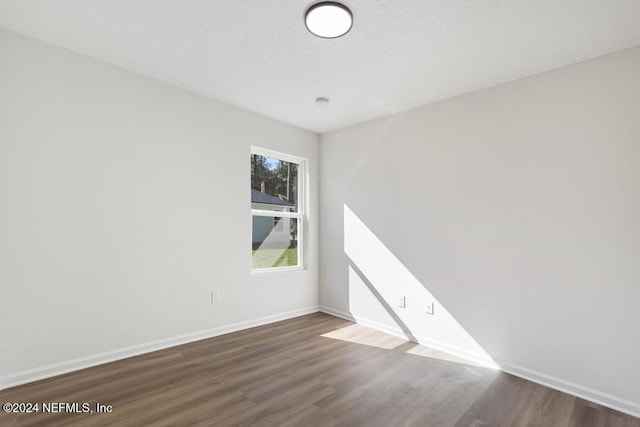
pixel 277 211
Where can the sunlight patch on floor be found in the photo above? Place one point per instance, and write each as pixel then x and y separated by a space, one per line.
pixel 360 334
pixel 420 350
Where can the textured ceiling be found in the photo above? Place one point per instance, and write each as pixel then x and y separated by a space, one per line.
pixel 257 54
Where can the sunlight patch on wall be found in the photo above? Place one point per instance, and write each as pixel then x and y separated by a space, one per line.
pixel 377 278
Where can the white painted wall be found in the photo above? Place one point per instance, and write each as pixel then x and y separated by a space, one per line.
pixel 123 202
pixel 517 208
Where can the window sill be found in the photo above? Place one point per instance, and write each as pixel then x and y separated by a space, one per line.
pixel 276 270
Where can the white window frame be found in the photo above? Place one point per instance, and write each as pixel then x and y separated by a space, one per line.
pixel 300 213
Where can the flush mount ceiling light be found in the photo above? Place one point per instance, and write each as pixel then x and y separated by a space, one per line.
pixel 328 19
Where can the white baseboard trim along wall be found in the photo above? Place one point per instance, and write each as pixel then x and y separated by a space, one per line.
pixel 52 370
pixel 27 376
pixel 478 358
pixel 604 399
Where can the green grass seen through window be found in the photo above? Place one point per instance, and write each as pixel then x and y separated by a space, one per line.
pixel 266 258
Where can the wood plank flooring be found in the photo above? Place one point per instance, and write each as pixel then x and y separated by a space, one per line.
pixel 315 370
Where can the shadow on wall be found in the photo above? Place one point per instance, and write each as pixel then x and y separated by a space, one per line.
pixel 377 281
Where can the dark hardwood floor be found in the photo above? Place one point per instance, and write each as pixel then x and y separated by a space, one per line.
pixel 315 370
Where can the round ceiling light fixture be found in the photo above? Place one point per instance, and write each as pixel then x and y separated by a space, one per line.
pixel 328 19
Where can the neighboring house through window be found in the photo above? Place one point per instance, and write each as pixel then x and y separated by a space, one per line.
pixel 276 210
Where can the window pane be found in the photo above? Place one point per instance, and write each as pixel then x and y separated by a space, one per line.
pixel 275 242
pixel 274 184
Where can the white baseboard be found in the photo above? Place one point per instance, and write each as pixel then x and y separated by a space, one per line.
pixel 601 398
pixel 35 374
pixel 47 371
pixel 361 320
pixel 337 313
pixel 586 393
pixel 477 358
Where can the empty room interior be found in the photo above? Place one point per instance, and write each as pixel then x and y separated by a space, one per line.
pixel 355 213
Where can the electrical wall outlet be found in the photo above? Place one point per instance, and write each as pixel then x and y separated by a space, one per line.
pixel 215 296
pixel 431 307
pixel 402 301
